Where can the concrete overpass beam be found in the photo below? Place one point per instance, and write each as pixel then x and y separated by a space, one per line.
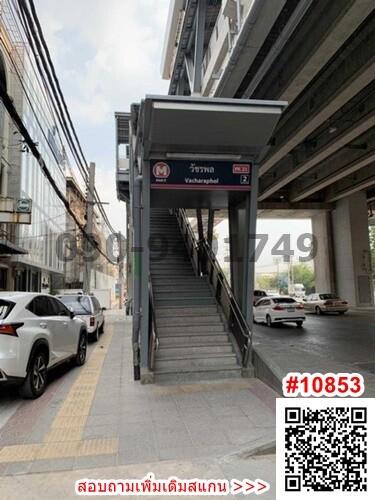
pixel 352 250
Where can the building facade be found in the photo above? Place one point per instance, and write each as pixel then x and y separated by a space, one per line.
pixel 33 261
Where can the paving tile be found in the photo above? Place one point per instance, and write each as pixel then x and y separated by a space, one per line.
pixel 100 431
pixel 206 436
pixel 108 419
pixel 169 438
pixel 136 442
pixel 137 456
pixel 95 461
pixel 49 465
pixel 18 468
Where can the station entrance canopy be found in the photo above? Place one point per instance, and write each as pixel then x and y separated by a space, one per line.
pixel 202 151
pixel 192 152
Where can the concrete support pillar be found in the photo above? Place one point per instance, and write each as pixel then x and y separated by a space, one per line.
pixel 324 265
pixel 352 250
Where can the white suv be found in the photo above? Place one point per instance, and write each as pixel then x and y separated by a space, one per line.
pixel 87 308
pixel 37 332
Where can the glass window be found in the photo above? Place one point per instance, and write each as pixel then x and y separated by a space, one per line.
pixel 41 306
pixel 96 304
pixel 5 308
pixel 265 302
pixel 59 308
pixel 79 303
pixel 328 296
pixel 282 300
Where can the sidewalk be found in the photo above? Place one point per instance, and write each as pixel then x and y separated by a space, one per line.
pixel 99 417
pixel 61 484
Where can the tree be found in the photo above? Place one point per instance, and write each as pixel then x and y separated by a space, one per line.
pixel 267 281
pixel 304 274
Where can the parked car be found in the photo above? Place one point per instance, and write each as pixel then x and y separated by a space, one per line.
pixel 87 308
pixel 258 294
pixel 37 332
pixel 321 303
pixel 279 310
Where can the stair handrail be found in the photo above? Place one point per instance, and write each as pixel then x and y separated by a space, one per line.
pixel 235 318
pixel 153 340
pixel 191 242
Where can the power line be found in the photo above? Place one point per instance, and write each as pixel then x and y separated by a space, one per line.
pixel 40 61
pixel 42 85
pixel 8 103
pixel 55 84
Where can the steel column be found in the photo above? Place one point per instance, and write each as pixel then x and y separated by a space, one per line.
pixel 145 266
pixel 250 246
pixel 210 226
pixel 199 47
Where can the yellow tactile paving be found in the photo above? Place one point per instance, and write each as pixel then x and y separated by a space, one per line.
pixel 68 422
pixel 56 435
pixel 79 399
pixel 64 438
pixel 67 449
pixel 19 453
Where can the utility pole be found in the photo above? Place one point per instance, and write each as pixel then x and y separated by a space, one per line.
pixel 121 272
pixel 89 228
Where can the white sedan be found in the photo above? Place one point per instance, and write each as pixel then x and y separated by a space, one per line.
pixel 37 332
pixel 279 309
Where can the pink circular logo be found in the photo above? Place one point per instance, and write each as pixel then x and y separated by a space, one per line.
pixel 161 170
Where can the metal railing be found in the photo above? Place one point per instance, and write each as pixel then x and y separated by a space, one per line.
pixel 153 341
pixel 225 298
pixel 190 240
pixel 205 263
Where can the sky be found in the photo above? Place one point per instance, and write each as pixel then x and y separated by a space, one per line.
pixel 107 54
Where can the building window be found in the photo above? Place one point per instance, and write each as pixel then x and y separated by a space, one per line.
pixel 3 278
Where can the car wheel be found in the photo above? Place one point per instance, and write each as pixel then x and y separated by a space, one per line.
pixel 318 311
pixel 299 324
pixel 341 313
pixel 36 379
pixel 95 335
pixel 101 329
pixel 80 358
pixel 269 320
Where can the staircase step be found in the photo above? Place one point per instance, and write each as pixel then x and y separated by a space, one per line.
pixel 179 287
pixel 192 329
pixel 168 279
pixel 185 294
pixel 160 266
pixel 198 376
pixel 184 301
pixel 196 364
pixel 186 311
pixel 170 272
pixel 184 351
pixel 203 320
pixel 188 340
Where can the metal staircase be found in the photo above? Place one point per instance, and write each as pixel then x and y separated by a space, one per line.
pixel 191 338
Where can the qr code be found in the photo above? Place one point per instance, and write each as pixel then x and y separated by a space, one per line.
pixel 324 446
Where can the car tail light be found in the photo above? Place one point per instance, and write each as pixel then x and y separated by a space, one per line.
pixel 92 321
pixel 300 306
pixel 328 303
pixel 10 329
pixel 278 308
pixel 344 302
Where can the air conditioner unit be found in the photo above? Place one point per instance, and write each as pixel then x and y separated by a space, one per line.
pixel 230 9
